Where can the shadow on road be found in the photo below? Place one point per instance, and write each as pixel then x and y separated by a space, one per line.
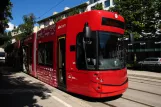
pixel 96 99
pixel 18 92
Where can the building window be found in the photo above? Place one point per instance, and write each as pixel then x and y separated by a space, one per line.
pixel 150 46
pixel 158 46
pixel 45 54
pixel 95 1
pixel 46 23
pixel 130 48
pixel 142 47
pixel 65 15
pixel 107 3
pixel 93 7
pixel 51 22
pixel 82 10
pixel 113 2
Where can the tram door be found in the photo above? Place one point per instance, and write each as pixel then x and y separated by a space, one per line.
pixel 27 58
pixel 30 60
pixel 61 63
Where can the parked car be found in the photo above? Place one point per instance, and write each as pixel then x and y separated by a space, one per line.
pixel 151 63
pixel 2 57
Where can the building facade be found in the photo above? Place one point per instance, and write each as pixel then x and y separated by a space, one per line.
pixel 106 4
pixel 87 6
pixel 16 33
pixel 144 47
pixel 62 15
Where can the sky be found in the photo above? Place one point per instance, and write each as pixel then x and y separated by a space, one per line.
pixel 40 8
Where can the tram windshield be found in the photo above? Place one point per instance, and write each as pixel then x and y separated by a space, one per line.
pixel 111 51
pixel 103 51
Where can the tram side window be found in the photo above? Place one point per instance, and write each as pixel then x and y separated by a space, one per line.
pixel 45 54
pixel 41 54
pixel 49 53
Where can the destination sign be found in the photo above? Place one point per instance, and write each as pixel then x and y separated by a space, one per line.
pixel 112 22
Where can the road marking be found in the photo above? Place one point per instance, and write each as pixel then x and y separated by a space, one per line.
pixel 61 101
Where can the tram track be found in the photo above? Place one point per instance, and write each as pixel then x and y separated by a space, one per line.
pixel 145 91
pixel 109 104
pixel 130 100
pixel 148 105
pixel 144 76
pixel 135 99
pixel 144 80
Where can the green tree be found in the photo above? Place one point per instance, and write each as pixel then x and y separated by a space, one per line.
pixel 159 26
pixel 27 27
pixel 74 11
pixel 57 19
pixel 5 14
pixel 5 38
pixel 140 15
pixel 98 6
pixel 71 13
pixel 9 38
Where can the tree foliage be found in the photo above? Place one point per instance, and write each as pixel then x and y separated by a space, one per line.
pixel 29 21
pixel 140 15
pixel 5 14
pixel 71 13
pixel 28 24
pixel 26 28
pixel 8 34
pixel 57 19
pixel 159 25
pixel 5 38
pixel 98 6
pixel 74 11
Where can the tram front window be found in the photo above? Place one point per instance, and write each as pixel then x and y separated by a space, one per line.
pixel 90 51
pixel 110 55
pixel 86 52
pixel 111 51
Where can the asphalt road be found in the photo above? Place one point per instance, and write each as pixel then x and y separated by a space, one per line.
pixel 22 90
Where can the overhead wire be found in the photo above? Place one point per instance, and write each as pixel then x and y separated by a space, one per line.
pixel 51 9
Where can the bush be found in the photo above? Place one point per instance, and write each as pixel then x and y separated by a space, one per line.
pixel 130 65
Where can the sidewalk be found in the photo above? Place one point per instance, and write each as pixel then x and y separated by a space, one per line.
pixel 22 90
pixel 144 74
pixel 18 89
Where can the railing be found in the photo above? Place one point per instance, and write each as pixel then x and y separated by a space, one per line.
pixel 144 50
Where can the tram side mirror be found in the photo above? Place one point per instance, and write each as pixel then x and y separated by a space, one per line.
pixel 131 38
pixel 87 31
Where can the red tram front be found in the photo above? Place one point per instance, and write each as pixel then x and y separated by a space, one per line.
pixel 83 54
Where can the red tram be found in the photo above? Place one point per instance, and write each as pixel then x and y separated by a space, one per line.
pixel 82 54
